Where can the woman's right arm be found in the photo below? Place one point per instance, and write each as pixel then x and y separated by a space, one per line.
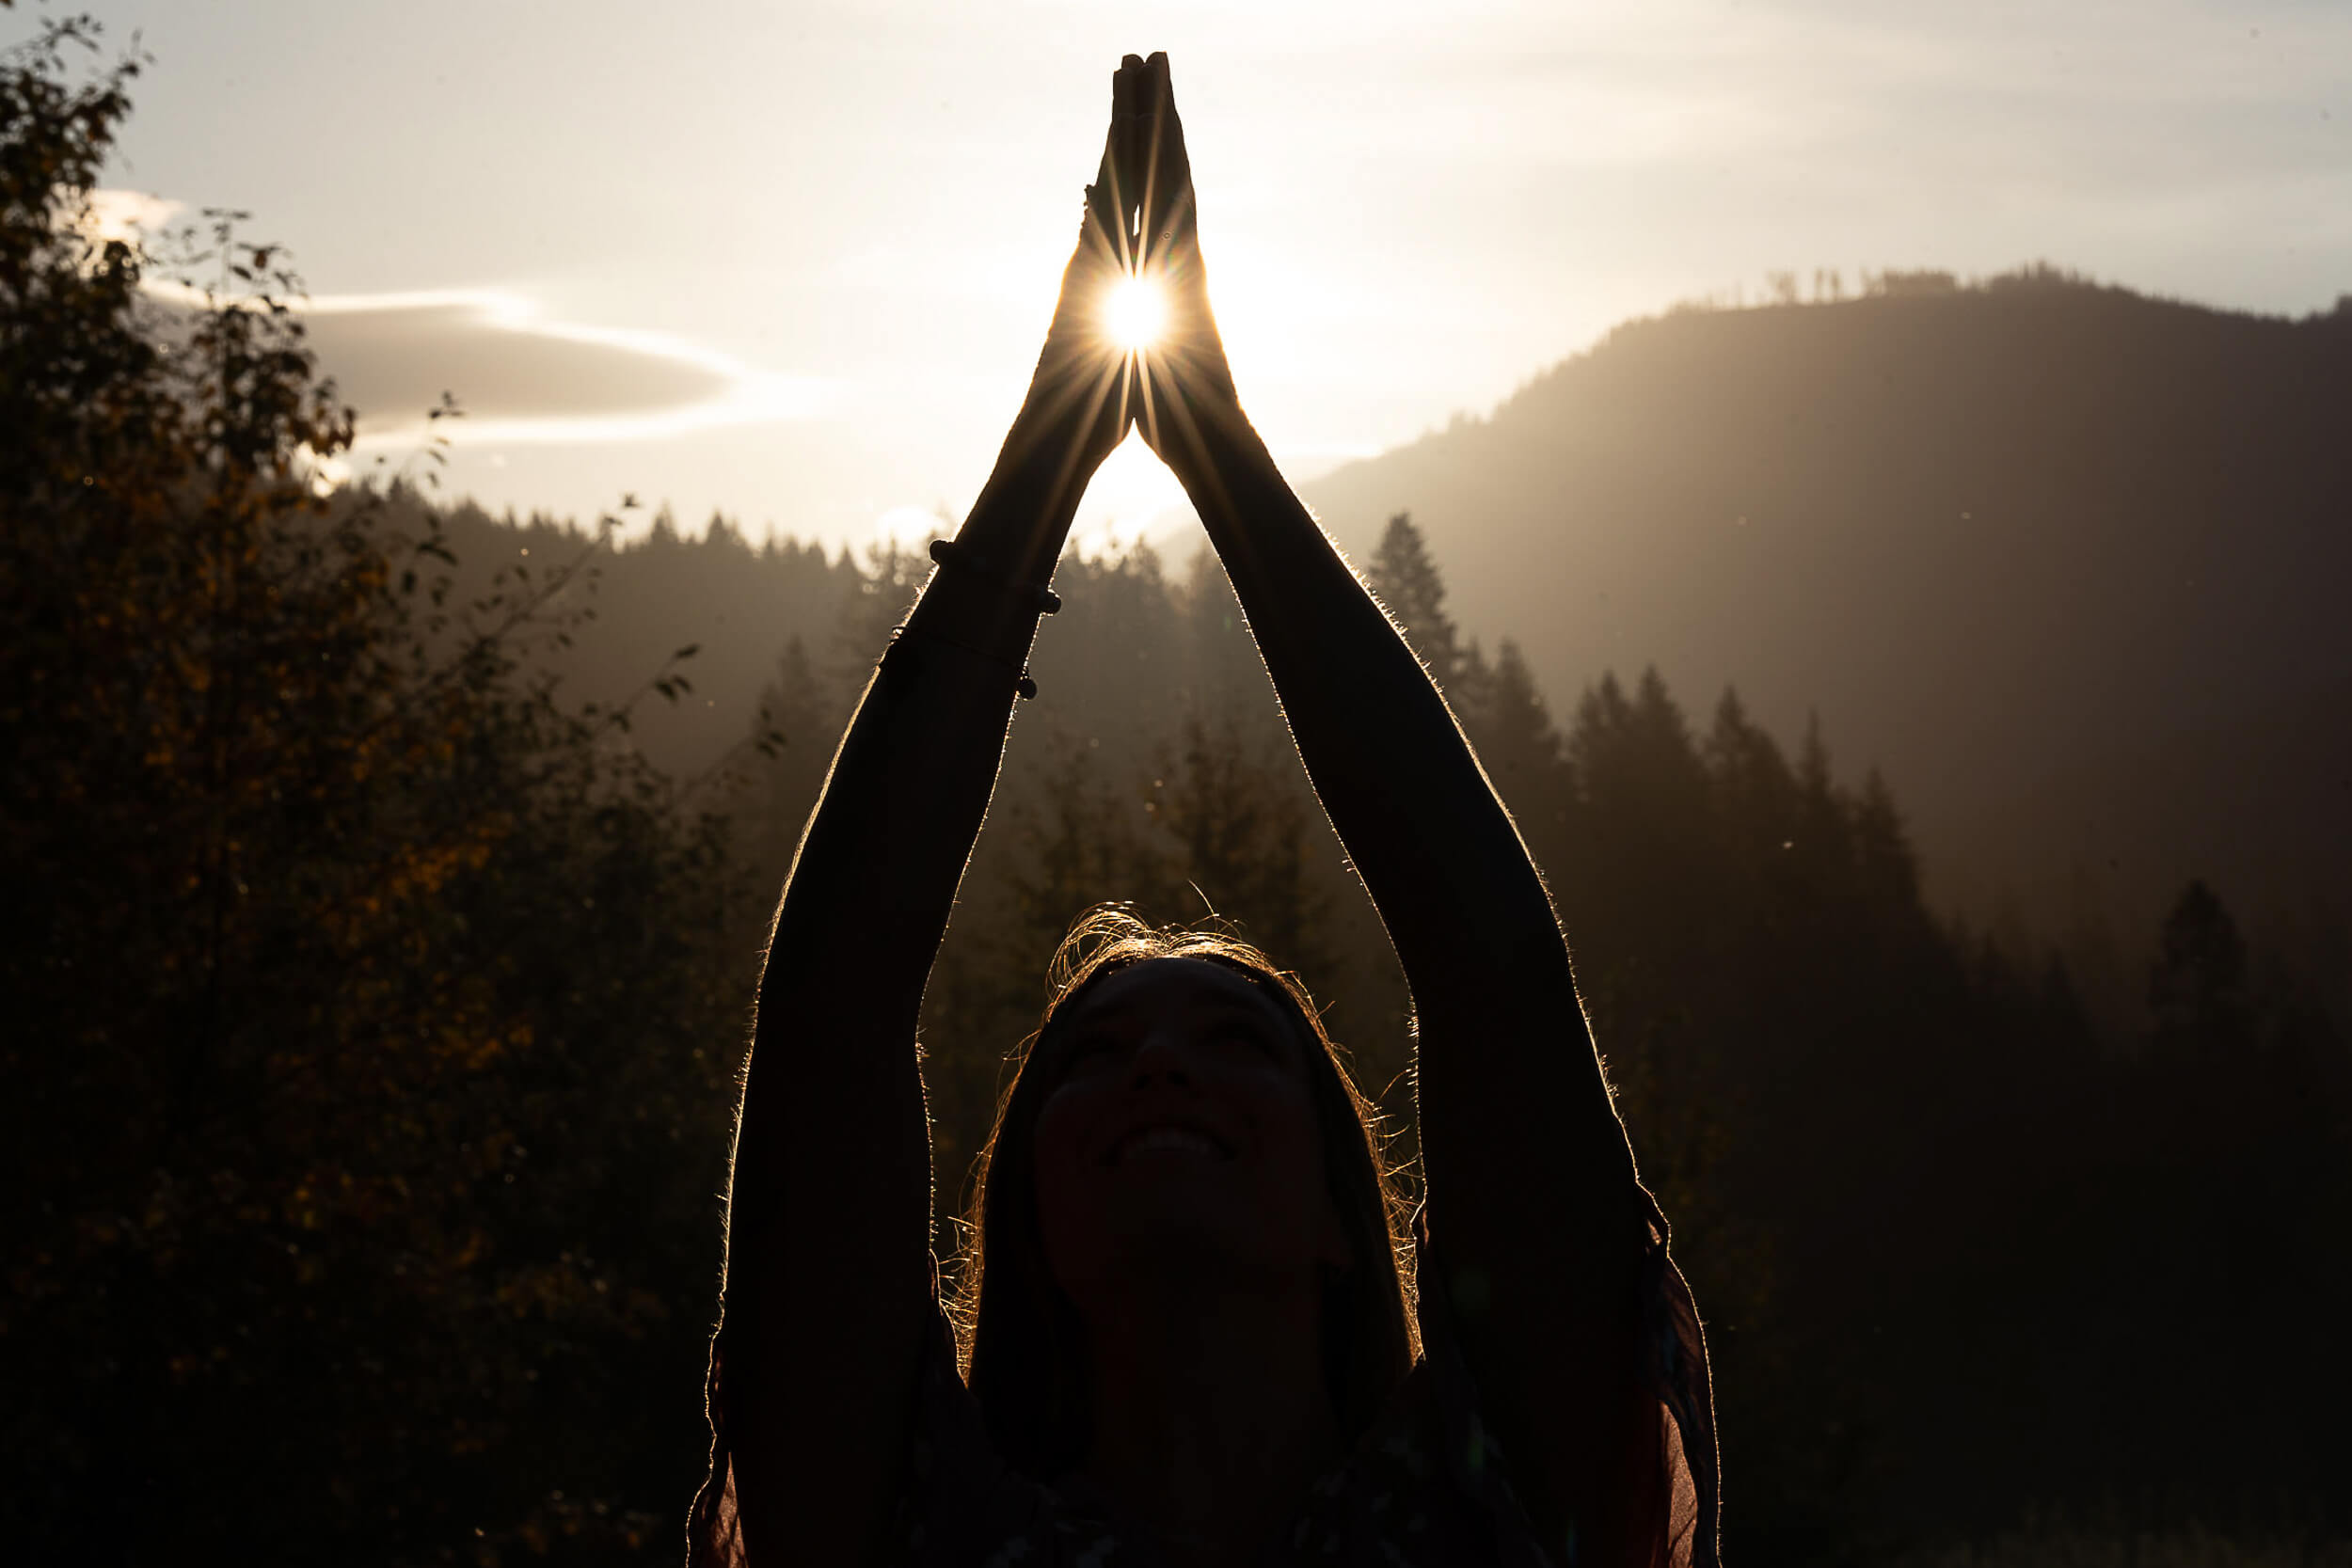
pixel 828 1291
pixel 1542 1239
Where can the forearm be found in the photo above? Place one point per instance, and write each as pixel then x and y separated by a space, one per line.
pixel 1530 1184
pixel 829 1257
pixel 1462 901
pixel 1435 847
pixel 863 913
pixel 874 883
pixel 829 1251
pixel 1502 1032
pixel 1540 1228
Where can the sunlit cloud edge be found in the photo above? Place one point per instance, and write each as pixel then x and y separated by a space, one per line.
pixel 749 395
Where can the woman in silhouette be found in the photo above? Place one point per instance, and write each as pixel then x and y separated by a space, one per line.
pixel 1195 1339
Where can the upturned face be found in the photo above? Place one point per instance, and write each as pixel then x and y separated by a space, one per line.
pixel 1179 1143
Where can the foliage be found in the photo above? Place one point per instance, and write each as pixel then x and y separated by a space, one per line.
pixel 1899 1161
pixel 375 1003
pixel 372 1015
pixel 2099 1540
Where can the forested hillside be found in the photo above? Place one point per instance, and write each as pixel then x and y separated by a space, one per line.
pixel 2066 562
pixel 1897 1158
pixel 387 888
pixel 2062 561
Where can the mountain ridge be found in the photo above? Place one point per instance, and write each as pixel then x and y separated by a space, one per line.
pixel 2001 538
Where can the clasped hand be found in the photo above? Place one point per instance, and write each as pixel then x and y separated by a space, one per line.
pixel 1140 230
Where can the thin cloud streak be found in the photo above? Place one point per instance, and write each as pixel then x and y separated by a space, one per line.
pixel 1409 210
pixel 537 380
pixel 497 320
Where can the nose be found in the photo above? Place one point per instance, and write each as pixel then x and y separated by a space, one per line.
pixel 1163 1056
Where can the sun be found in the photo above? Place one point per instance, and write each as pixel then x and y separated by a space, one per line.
pixel 1135 313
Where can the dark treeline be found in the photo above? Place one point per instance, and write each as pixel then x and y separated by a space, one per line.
pixel 376 972
pixel 1966 1256
pixel 2065 560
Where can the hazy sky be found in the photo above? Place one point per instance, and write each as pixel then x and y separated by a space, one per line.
pixel 794 260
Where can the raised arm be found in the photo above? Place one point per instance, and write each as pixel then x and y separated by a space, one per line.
pixel 829 1244
pixel 1534 1205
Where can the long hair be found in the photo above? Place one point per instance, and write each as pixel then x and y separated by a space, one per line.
pixel 1017 1334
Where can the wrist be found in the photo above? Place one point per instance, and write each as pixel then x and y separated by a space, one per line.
pixel 1216 450
pixel 1023 511
pixel 1046 444
pixel 968 605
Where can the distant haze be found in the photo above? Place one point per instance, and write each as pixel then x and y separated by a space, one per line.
pixel 793 260
pixel 2068 565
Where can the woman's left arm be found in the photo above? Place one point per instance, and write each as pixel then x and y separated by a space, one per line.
pixel 1535 1211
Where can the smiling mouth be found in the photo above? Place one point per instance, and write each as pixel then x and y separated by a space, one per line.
pixel 1165 1141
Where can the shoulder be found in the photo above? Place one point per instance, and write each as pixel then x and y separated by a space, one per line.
pixel 1662 1488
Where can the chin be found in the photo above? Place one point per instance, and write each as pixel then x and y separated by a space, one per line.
pixel 1176 1241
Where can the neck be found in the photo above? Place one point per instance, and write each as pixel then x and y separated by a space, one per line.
pixel 1212 1416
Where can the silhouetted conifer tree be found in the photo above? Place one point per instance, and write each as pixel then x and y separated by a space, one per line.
pixel 1890 872
pixel 1510 723
pixel 2198 988
pixel 372 1014
pixel 801 714
pixel 1408 581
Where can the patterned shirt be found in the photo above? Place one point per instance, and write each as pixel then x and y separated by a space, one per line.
pixel 1425 1487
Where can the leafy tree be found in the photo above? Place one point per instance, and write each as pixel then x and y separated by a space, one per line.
pixel 372 1010
pixel 370 1014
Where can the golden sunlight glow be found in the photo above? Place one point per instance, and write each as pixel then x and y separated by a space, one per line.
pixel 1135 313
